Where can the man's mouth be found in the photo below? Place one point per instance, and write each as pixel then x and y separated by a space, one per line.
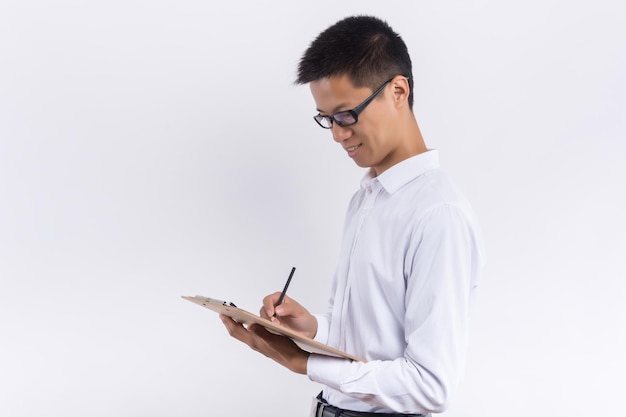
pixel 354 148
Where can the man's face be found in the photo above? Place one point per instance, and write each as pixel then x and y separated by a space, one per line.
pixel 373 141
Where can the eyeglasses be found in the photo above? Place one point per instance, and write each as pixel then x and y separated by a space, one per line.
pixel 348 117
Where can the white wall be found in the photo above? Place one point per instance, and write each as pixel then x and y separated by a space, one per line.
pixel 153 149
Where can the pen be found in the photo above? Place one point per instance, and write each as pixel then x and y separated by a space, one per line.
pixel 282 294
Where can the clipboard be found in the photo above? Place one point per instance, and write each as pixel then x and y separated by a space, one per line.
pixel 246 318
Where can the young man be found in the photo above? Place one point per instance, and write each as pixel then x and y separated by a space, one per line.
pixel 410 255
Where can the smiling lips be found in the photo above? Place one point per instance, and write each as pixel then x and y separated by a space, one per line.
pixel 352 149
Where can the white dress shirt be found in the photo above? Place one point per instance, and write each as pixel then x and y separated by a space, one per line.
pixel 401 294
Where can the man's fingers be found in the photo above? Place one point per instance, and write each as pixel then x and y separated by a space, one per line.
pixel 235 329
pixel 259 331
pixel 254 336
pixel 267 311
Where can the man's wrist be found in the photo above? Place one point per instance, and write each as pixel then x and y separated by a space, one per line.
pixel 301 362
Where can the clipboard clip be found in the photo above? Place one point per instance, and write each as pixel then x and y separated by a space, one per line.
pixel 213 300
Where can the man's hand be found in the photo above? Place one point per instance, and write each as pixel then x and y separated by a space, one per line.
pixel 289 314
pixel 279 348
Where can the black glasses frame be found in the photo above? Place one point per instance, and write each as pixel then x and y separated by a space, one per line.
pixel 354 112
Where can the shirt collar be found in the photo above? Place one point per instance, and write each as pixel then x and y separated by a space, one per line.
pixel 403 172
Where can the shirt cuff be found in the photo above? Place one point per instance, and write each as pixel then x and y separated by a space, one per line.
pixel 326 370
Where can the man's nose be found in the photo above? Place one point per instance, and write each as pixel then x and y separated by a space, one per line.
pixel 340 133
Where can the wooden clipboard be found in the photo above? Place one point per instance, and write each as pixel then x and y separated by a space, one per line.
pixel 245 317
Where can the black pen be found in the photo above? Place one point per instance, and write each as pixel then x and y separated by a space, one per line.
pixel 282 294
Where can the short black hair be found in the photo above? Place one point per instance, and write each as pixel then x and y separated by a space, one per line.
pixel 365 48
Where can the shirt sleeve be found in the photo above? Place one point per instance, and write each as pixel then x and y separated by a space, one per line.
pixel 441 265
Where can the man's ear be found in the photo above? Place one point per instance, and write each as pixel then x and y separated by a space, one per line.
pixel 401 90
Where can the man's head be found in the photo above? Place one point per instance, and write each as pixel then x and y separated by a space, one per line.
pixel 364 48
pixel 359 73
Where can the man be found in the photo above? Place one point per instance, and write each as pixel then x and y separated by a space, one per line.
pixel 410 255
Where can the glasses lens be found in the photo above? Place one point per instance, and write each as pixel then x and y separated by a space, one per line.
pixel 323 121
pixel 345 118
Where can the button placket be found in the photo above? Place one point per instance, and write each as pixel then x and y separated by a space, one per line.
pixel 372 191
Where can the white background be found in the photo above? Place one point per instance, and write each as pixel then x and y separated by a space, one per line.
pixel 153 149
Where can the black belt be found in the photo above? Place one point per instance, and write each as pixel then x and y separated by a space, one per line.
pixel 324 409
